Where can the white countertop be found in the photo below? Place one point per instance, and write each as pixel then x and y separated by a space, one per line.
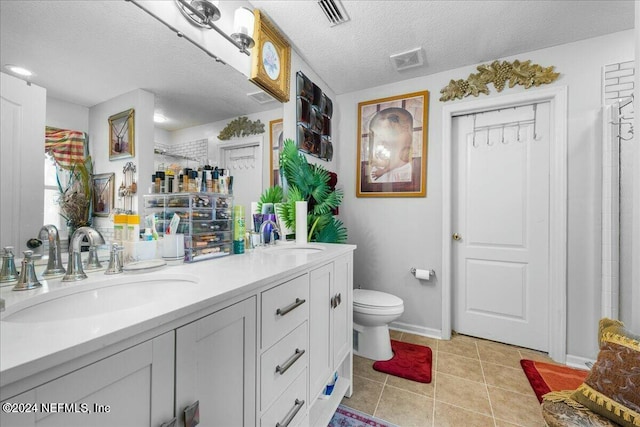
pixel 27 348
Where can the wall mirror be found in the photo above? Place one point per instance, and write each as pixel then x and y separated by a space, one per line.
pixel 85 53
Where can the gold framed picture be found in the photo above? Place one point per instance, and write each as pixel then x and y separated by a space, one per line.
pixel 275 141
pixel 103 193
pixel 121 135
pixel 392 146
pixel 270 59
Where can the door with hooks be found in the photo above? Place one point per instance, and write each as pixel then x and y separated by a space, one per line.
pixel 501 225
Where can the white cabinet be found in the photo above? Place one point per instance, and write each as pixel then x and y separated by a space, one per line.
pixel 216 366
pixel 133 387
pixel 330 330
pixel 262 359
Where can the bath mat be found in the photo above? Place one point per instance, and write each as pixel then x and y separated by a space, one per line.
pixel 347 417
pixel 546 377
pixel 410 361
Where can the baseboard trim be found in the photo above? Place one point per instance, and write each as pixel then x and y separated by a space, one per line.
pixel 579 362
pixel 415 329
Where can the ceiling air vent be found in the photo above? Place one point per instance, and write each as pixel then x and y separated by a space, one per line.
pixel 261 97
pixel 334 11
pixel 409 59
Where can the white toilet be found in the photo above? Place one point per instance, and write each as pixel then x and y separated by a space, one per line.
pixel 372 313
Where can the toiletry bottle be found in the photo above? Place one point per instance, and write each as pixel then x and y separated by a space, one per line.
pixel 203 181
pixel 133 227
pixel 185 181
pixel 152 188
pixel 238 229
pixel 216 176
pixel 147 236
pixel 119 227
pixel 163 187
pixel 193 181
pixel 158 183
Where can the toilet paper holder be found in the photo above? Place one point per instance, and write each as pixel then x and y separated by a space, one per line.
pixel 413 271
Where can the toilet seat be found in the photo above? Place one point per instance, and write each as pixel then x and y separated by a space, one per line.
pixel 368 299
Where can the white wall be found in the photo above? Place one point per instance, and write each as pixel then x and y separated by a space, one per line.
pixel 395 234
pixel 65 115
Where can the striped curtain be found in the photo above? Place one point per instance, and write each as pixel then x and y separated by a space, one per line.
pixel 67 147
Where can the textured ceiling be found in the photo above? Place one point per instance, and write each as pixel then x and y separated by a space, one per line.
pixel 355 55
pixel 87 52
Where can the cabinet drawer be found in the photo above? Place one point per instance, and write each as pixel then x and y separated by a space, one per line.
pixel 281 364
pixel 292 405
pixel 283 308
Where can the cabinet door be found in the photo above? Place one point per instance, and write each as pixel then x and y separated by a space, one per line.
pixel 320 363
pixel 342 311
pixel 133 387
pixel 216 366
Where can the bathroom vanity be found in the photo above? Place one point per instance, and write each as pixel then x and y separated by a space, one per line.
pixel 245 340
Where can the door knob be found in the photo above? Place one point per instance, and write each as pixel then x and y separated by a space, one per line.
pixel 456 236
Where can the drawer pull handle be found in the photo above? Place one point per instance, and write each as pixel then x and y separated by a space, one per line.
pixel 297 355
pixel 283 311
pixel 292 414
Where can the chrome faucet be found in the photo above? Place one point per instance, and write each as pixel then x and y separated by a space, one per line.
pixel 273 232
pixel 74 270
pixel 115 260
pixel 28 279
pixel 8 273
pixel 54 265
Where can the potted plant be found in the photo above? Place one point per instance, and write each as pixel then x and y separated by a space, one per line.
pixel 310 183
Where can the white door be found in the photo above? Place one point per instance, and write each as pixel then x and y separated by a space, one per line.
pixel 23 110
pixel 501 225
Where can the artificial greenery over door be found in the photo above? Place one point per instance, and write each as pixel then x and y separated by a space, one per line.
pixel 499 73
pixel 308 182
pixel 241 127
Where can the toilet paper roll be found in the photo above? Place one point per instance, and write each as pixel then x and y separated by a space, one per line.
pixel 423 274
pixel 301 223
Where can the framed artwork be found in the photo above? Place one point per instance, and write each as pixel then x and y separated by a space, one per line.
pixel 392 146
pixel 121 132
pixel 271 59
pixel 102 185
pixel 314 110
pixel 276 139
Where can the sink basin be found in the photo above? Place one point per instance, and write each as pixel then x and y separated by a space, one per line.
pixel 106 297
pixel 294 250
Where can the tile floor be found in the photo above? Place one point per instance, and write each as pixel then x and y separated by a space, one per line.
pixel 475 383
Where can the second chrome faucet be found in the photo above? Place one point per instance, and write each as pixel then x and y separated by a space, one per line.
pixel 74 270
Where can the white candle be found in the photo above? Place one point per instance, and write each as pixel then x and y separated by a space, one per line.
pixel 301 223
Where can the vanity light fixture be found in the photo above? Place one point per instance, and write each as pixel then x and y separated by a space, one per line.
pixel 21 71
pixel 203 13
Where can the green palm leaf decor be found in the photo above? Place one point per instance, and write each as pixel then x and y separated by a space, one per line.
pixel 307 182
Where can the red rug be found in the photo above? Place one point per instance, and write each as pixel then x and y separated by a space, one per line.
pixel 546 377
pixel 410 361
